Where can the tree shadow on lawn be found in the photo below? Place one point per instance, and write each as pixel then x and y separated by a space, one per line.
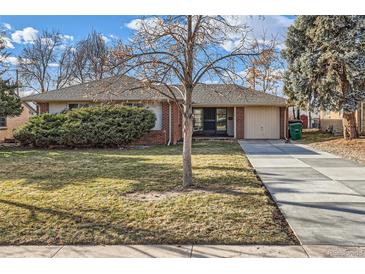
pixel 150 177
pixel 119 233
pixel 111 231
pixel 199 148
pixel 135 174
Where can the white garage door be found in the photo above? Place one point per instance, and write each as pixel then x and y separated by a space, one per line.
pixel 262 123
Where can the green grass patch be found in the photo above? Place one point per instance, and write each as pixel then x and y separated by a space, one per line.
pixel 135 197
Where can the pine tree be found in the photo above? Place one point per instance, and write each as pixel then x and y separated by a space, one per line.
pixel 326 65
pixel 10 104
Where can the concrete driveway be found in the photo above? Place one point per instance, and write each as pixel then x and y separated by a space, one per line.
pixel 321 195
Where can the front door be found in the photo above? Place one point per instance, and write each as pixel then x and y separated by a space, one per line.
pixel 210 121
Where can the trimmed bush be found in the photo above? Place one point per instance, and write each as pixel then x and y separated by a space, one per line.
pixel 103 126
pixel 42 131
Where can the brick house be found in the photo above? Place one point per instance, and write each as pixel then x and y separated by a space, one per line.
pixel 8 124
pixel 219 109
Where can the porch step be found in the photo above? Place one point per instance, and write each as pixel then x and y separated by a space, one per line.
pixel 9 140
pixel 209 138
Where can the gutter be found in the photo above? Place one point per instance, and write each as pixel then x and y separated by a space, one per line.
pixel 170 123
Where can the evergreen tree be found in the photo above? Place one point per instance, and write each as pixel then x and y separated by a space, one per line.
pixel 326 65
pixel 10 104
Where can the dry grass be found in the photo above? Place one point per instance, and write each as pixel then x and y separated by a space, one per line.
pixel 354 149
pixel 134 197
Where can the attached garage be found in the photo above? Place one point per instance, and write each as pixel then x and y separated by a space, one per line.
pixel 261 122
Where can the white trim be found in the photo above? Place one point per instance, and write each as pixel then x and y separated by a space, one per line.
pixel 362 126
pixel 234 123
pixel 170 123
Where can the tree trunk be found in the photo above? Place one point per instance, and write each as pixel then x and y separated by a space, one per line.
pixel 188 107
pixel 349 126
pixel 309 119
pixel 188 136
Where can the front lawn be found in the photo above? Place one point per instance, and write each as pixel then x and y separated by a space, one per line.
pixel 134 197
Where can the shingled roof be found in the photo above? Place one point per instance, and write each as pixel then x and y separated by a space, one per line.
pixel 119 89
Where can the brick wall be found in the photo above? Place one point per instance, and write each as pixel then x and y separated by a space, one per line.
pixel 154 137
pixel 13 123
pixel 240 118
pixel 159 137
pixel 176 124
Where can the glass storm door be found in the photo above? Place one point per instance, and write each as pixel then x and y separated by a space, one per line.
pixel 221 121
pixel 209 120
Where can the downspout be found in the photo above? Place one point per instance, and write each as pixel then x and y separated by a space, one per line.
pixel 170 123
pixel 286 124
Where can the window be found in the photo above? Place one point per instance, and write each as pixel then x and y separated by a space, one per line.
pixel 2 121
pixel 135 105
pixel 72 106
pixel 221 119
pixel 197 119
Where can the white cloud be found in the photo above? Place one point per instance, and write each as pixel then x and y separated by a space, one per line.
pixel 26 35
pixel 7 26
pixel 106 39
pixel 47 41
pixel 14 61
pixel 54 65
pixel 8 43
pixel 270 26
pixel 24 93
pixel 67 37
pixel 135 24
pixel 10 60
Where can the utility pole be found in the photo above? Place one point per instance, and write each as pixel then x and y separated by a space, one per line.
pixel 17 81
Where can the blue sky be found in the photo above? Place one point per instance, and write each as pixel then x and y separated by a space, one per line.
pixel 76 26
pixel 21 28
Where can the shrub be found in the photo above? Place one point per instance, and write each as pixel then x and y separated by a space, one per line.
pixel 103 126
pixel 42 131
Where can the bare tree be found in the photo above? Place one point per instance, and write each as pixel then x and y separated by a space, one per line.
pixel 265 72
pixel 92 59
pixel 46 63
pixel 64 75
pixel 36 61
pixel 79 61
pixel 172 54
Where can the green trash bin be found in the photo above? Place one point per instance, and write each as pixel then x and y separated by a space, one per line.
pixel 295 130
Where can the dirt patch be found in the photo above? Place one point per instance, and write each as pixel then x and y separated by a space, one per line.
pixel 353 149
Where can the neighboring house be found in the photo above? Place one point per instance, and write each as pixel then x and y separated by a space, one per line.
pixel 332 121
pixel 8 124
pixel 310 118
pixel 219 109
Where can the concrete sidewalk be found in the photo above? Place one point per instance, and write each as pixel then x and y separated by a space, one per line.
pixel 321 195
pixel 184 251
